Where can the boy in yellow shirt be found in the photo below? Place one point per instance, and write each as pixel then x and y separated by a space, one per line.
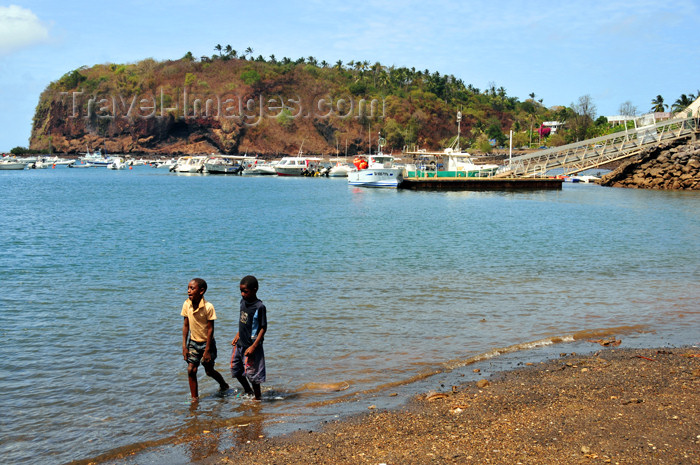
pixel 198 342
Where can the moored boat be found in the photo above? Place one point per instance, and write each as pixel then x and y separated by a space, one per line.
pixel 297 166
pixel 381 171
pixel 260 168
pixel 117 163
pixel 340 168
pixel 12 164
pixel 189 164
pixel 226 164
pixel 452 162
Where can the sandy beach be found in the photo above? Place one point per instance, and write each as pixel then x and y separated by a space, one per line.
pixel 620 406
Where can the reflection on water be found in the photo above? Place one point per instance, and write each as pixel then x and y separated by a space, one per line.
pixel 365 289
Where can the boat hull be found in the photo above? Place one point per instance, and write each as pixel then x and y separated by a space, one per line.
pixel 376 177
pixel 12 166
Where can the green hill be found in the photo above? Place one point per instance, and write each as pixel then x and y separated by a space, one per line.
pixel 271 107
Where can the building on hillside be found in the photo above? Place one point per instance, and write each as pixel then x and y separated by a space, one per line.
pixel 553 125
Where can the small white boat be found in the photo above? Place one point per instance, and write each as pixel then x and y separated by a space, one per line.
pixel 96 158
pixel 189 164
pixel 226 164
pixel 163 163
pixel 117 163
pixel 38 165
pixel 340 168
pixel 260 168
pixel 297 166
pixel 12 164
pixel 582 179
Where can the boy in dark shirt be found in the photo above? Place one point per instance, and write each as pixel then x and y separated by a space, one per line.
pixel 248 358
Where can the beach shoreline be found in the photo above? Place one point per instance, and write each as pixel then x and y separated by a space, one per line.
pixel 620 406
pixel 614 406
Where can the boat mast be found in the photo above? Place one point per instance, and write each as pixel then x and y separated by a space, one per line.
pixel 459 127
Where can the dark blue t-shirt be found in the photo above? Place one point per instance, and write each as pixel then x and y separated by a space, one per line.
pixel 253 318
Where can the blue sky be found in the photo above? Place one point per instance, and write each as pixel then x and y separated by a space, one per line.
pixel 612 50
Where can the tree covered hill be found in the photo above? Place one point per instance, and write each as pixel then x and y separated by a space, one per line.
pixel 237 104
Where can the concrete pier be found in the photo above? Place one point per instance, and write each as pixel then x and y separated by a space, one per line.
pixel 481 184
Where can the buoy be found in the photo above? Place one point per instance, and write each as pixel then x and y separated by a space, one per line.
pixel 131 167
pixel 54 166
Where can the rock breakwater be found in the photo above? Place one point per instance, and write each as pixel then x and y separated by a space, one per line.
pixel 671 166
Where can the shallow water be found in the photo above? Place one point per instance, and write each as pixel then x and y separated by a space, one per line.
pixel 363 288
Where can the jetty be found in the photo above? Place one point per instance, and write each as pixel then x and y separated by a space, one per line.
pixel 480 184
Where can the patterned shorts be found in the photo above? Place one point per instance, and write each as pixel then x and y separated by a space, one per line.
pixel 195 352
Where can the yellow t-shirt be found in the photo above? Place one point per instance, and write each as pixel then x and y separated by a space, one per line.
pixel 198 318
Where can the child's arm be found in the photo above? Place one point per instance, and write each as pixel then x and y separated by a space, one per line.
pixel 210 335
pixel 235 340
pixel 256 343
pixel 185 333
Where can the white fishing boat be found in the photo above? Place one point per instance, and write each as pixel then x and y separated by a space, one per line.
pixel 381 171
pixel 227 164
pixel 12 164
pixel 189 164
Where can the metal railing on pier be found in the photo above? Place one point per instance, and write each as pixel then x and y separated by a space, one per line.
pixel 592 153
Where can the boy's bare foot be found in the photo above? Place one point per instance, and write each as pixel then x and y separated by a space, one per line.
pixel 194 400
pixel 224 388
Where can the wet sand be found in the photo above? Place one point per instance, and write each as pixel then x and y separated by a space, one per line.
pixel 620 406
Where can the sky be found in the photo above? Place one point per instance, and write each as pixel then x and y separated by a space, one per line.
pixel 614 51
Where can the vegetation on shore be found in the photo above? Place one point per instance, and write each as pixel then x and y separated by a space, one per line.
pixel 237 103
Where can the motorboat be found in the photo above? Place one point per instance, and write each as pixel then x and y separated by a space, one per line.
pixel 297 166
pixel 380 172
pixel 260 168
pixel 163 163
pixel 226 164
pixel 96 158
pixel 12 164
pixel 339 169
pixel 189 164
pixel 117 163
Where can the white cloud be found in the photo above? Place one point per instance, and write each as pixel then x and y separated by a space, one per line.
pixel 19 28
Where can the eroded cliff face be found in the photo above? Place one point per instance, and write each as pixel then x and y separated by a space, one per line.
pixel 237 106
pixel 674 165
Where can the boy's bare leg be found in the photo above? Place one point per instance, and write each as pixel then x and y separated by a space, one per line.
pixel 244 382
pixel 192 378
pixel 223 385
pixel 256 391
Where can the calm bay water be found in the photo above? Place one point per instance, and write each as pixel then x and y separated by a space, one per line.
pixel 363 288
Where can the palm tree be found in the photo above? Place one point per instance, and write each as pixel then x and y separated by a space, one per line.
pixel 228 51
pixel 339 64
pixel 218 49
pixel 681 103
pixel 658 105
pixel 248 51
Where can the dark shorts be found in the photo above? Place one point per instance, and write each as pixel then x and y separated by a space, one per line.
pixel 195 352
pixel 252 367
